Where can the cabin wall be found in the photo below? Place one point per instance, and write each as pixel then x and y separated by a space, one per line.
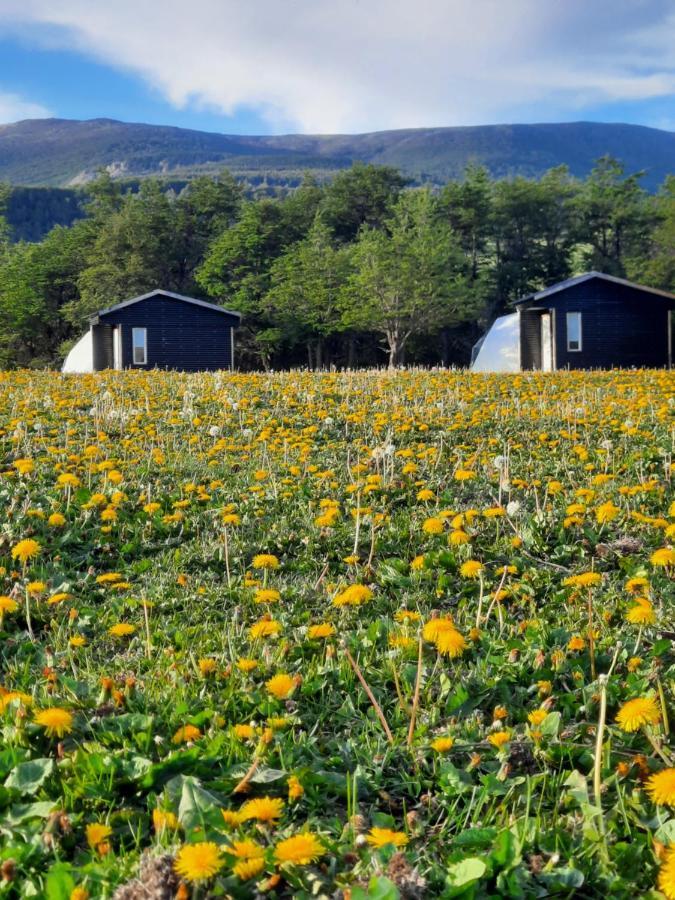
pixel 180 335
pixel 621 327
pixel 530 339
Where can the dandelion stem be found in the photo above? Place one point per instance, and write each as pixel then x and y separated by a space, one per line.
pixel 241 786
pixel 416 696
pixel 371 696
pixel 29 625
pixel 637 642
pixel 591 639
pixel 148 642
pixel 227 558
pixel 664 708
pixel 599 739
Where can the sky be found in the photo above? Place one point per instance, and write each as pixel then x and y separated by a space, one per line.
pixel 326 66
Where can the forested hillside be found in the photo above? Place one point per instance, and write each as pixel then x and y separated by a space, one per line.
pixel 359 270
pixel 61 152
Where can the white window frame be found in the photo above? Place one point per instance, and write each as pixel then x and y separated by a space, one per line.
pixel 144 347
pixel 567 331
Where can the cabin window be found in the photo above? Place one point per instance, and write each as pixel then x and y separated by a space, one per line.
pixel 573 331
pixel 139 339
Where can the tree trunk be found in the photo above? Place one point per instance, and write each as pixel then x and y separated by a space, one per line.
pixel 310 358
pixel 394 350
pixel 319 353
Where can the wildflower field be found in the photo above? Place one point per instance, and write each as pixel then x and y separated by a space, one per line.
pixel 337 635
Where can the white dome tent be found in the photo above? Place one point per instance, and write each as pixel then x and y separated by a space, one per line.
pixel 81 357
pixel 499 349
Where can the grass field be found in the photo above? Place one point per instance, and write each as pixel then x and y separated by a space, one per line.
pixel 360 635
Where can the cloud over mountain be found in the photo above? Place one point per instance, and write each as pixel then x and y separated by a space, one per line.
pixel 352 65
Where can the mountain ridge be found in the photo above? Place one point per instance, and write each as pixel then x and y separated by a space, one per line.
pixel 68 152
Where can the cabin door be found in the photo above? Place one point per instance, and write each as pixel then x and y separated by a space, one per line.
pixel 546 346
pixel 117 347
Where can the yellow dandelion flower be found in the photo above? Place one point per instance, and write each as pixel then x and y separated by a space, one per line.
pixel 661 787
pixel 321 631
pixel 206 666
pixel 263 809
pixel 7 605
pixel 450 642
pixel 264 628
pixel 299 850
pixel 665 556
pixel 354 595
pixel 121 629
pixel 247 849
pixel 232 818
pixel 246 869
pixel 537 716
pixel 56 721
pixel 163 820
pixel 280 686
pixel 638 712
pixel 244 664
pixel 198 862
pixel 266 595
pixel 186 733
pixel 471 569
pixel 244 732
pixel 442 744
pixel 97 833
pixel 295 788
pixel 383 837
pixel 667 873
pixel 265 561
pixel 642 613
pixel 583 579
pixel 25 550
pixel 499 738
pixel 433 525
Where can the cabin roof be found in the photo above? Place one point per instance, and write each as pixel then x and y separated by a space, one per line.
pixel 589 276
pixel 158 292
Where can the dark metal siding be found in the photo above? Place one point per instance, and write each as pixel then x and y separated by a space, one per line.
pixel 102 347
pixel 620 326
pixel 180 335
pixel 530 339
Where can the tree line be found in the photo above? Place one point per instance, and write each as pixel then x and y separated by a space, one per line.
pixel 334 273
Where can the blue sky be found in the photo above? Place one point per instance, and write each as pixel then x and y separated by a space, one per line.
pixel 261 66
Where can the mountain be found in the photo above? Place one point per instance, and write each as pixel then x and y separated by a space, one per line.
pixel 66 153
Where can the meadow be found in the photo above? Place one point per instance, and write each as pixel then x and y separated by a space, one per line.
pixel 360 635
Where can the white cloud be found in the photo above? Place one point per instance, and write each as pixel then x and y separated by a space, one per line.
pixel 348 65
pixel 13 108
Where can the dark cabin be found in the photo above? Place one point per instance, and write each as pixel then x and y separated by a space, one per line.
pixel 165 331
pixel 596 321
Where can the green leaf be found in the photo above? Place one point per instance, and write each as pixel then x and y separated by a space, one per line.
pixel 464 873
pixel 551 725
pixel 453 781
pixel 59 882
pixel 28 777
pixel 506 851
pixel 475 838
pixel 378 889
pixel 24 812
pixel 197 807
pixel 666 833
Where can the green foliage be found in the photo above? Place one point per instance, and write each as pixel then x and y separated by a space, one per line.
pixel 332 272
pixel 408 279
